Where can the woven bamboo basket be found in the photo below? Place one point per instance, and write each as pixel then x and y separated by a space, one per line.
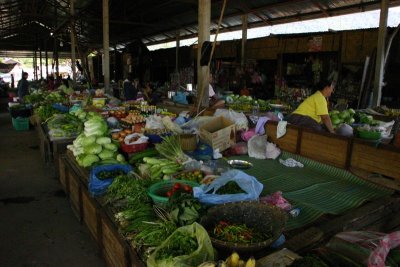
pixel 188 142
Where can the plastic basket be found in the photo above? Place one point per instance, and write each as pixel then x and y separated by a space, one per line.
pixel 158 191
pixel 20 124
pixel 134 147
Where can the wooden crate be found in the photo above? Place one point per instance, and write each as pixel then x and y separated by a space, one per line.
pixel 114 249
pixel 329 149
pixel 288 142
pixel 59 147
pixel 63 177
pixel 384 161
pixel 75 195
pixel 91 216
pixel 44 145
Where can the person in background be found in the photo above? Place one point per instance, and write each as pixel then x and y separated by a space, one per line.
pixel 130 91
pixel 23 87
pixel 215 102
pixel 50 83
pixel 64 87
pixel 12 80
pixel 313 111
pixel 148 93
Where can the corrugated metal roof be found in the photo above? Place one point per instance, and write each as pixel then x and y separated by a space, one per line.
pixel 28 24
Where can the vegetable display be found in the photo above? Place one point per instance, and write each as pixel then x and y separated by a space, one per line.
pixel 171 149
pixel 93 144
pixel 237 233
pixel 64 126
pixel 180 244
pixel 109 174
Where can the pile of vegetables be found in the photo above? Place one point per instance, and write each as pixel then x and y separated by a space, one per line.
pixel 180 244
pixel 171 149
pixel 246 103
pixel 155 169
pixel 64 126
pixel 346 116
pixel 237 233
pixel 94 144
pixel 46 111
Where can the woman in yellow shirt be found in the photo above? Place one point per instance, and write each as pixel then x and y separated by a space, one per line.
pixel 313 111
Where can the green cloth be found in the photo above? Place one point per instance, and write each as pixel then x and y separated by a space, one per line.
pixel 316 189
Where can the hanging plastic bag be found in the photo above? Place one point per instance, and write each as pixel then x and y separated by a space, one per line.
pixel 154 122
pixel 367 247
pixel 241 122
pixel 207 194
pixel 98 187
pixel 203 253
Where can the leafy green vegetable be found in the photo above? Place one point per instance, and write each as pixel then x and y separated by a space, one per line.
pixel 93 149
pixel 103 140
pixel 106 154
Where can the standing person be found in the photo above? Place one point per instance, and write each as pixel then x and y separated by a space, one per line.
pixel 313 111
pixel 12 80
pixel 130 91
pixel 23 87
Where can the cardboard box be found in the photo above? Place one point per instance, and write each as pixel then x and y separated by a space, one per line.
pixel 219 133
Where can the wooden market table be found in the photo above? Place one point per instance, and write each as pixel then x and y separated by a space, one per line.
pixel 116 250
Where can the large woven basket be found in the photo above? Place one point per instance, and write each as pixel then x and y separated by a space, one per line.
pixel 188 142
pixel 261 217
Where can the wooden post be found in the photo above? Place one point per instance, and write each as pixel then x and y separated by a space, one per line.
pixel 34 66
pixel 203 72
pixel 46 58
pixel 380 54
pixel 40 60
pixel 178 36
pixel 244 40
pixel 73 56
pixel 106 46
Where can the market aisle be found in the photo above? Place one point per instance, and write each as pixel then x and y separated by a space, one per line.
pixel 37 226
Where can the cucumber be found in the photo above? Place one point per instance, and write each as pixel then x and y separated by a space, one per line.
pixel 138 157
pixel 169 171
pixel 152 161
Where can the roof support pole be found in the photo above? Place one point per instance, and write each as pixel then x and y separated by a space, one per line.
pixel 106 46
pixel 73 44
pixel 380 54
pixel 178 36
pixel 41 64
pixel 203 35
pixel 46 55
pixel 244 39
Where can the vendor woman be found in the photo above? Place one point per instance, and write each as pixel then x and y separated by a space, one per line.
pixel 313 112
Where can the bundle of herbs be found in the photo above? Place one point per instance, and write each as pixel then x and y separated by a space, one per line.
pixel 171 149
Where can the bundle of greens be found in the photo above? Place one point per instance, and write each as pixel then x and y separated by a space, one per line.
pixel 171 149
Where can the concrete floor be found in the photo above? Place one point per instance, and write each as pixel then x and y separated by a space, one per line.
pixel 37 225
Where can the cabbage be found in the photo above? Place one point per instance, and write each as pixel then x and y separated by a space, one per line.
pixel 106 154
pixel 112 122
pixel 93 149
pixel 103 140
pixel 121 158
pixel 113 147
pixel 95 126
pixel 87 160
pixel 345 130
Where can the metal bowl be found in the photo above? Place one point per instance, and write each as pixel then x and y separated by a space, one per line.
pixel 239 164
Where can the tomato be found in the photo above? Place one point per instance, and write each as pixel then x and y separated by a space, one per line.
pixel 177 186
pixel 187 188
pixel 169 193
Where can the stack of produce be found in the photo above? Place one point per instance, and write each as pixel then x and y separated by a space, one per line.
pixel 64 126
pixel 246 103
pixel 346 116
pixel 94 144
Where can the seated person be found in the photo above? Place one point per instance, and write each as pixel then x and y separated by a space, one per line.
pixel 213 99
pixel 313 111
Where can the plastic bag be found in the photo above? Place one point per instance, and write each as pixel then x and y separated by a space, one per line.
pixel 366 247
pixel 140 139
pixel 207 193
pixel 276 199
pixel 240 119
pixel 257 147
pixel 204 252
pixel 172 126
pixel 154 122
pixel 98 187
